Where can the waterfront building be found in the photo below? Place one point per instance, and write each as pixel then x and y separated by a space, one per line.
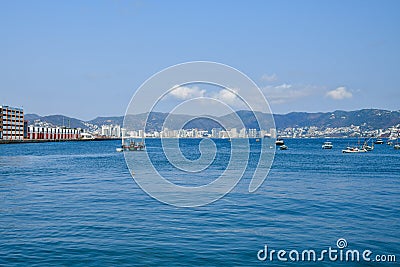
pixel 11 123
pixel 243 133
pixel 52 133
pixel 111 130
pixel 215 132
pixel 252 133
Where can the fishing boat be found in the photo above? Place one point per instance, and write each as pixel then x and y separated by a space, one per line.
pixel 279 142
pixel 327 145
pixel 132 146
pixel 283 147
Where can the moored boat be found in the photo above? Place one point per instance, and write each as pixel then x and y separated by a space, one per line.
pixel 368 148
pixel 327 145
pixel 354 150
pixel 378 141
pixel 283 147
pixel 279 142
pixel 133 146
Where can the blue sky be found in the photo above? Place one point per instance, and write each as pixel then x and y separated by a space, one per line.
pixel 86 58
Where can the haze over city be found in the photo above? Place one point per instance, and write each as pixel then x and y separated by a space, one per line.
pixel 86 59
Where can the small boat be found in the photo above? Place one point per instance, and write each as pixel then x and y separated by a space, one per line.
pixel 283 147
pixel 397 145
pixel 378 141
pixel 279 142
pixel 354 150
pixel 133 146
pixel 368 148
pixel 327 145
pixel 257 139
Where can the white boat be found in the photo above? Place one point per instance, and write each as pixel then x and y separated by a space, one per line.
pixel 283 147
pixel 354 150
pixel 279 142
pixel 119 149
pixel 327 145
pixel 397 145
pixel 368 148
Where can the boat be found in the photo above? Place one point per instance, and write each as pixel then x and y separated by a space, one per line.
pixel 368 147
pixel 283 147
pixel 257 139
pixel 133 146
pixel 397 145
pixel 327 145
pixel 378 141
pixel 279 142
pixel 354 150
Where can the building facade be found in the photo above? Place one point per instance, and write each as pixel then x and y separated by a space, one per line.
pixel 11 123
pixel 52 133
pixel 111 131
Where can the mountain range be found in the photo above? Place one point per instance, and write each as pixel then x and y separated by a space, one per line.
pixel 368 118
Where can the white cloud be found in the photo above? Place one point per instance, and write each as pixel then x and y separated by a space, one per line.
pixel 230 98
pixel 226 96
pixel 283 86
pixel 184 92
pixel 339 93
pixel 269 78
pixel 284 93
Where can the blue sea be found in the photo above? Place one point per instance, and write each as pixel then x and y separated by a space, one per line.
pixel 76 204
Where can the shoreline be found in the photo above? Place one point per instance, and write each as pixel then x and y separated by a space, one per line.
pixel 28 141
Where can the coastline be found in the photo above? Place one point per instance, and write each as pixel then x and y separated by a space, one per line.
pixel 4 142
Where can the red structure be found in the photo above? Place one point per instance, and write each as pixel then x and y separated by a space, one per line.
pixel 52 133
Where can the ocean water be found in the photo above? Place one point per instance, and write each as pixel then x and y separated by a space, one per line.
pixel 76 204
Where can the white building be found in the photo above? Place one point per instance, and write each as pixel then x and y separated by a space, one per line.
pixel 111 130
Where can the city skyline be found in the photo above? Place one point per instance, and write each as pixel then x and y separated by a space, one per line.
pixel 87 59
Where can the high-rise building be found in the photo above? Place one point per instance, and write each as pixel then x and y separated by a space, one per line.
pixel 11 123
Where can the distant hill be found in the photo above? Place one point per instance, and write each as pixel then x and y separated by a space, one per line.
pixel 368 118
pixel 57 120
